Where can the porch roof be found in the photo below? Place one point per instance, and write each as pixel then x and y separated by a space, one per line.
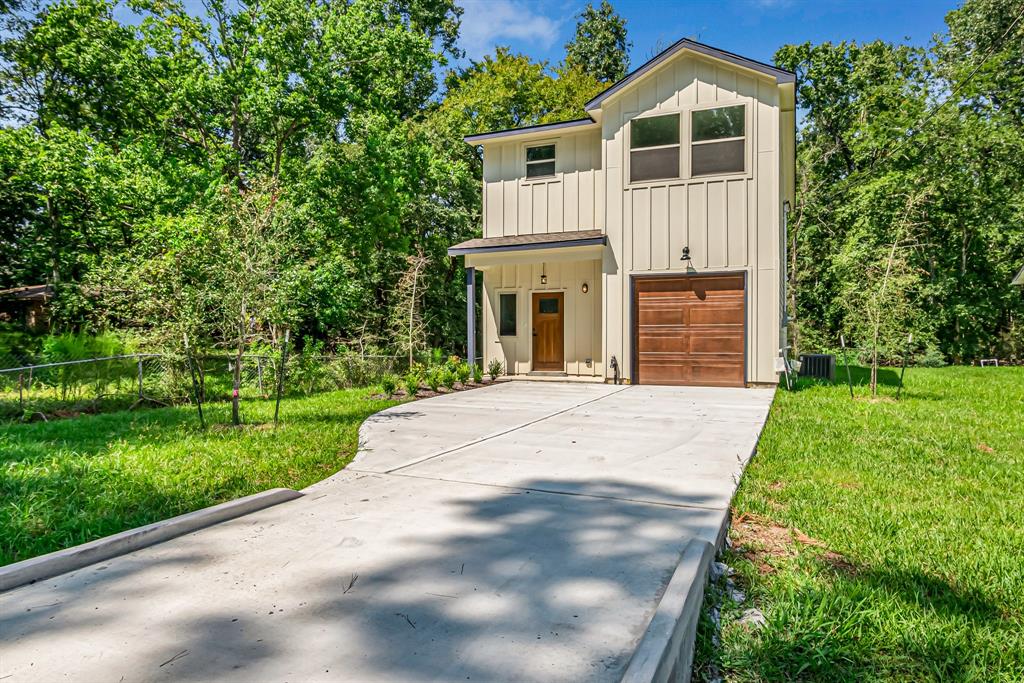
pixel 547 240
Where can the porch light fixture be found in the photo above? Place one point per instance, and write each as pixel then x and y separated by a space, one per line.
pixel 686 254
pixel 585 288
pixel 543 277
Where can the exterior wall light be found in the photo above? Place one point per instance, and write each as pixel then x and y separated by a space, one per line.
pixel 686 254
pixel 543 279
pixel 585 288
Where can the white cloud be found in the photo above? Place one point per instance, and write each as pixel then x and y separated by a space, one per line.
pixel 486 23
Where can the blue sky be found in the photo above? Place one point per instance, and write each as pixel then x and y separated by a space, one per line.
pixel 752 28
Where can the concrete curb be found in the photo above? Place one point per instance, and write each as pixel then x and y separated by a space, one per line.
pixel 70 559
pixel 665 651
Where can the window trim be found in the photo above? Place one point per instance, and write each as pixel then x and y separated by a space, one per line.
pixel 746 137
pixel 515 294
pixel 628 134
pixel 525 164
pixel 685 125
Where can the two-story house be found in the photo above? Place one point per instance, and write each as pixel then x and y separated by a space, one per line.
pixel 645 242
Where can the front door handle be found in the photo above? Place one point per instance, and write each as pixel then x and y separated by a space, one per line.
pixel 535 333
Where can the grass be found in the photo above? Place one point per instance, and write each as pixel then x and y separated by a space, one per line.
pixel 70 481
pixel 882 540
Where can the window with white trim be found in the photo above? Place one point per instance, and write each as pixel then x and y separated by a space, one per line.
pixel 718 140
pixel 654 148
pixel 540 161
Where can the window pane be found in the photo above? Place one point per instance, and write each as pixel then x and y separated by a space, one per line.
pixel 717 157
pixel 542 153
pixel 653 131
pixel 548 305
pixel 651 164
pixel 540 169
pixel 712 124
pixel 507 315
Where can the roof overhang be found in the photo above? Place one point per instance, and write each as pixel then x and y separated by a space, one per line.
pixel 539 131
pixel 528 243
pixel 780 75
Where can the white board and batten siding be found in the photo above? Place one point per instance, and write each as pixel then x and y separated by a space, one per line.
pixel 731 223
pixel 572 199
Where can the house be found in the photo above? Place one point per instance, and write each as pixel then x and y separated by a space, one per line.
pixel 1019 280
pixel 646 242
pixel 26 306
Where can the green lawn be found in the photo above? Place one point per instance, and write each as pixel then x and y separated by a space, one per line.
pixel 882 540
pixel 71 481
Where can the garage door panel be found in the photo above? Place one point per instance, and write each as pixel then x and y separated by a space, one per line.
pixel 690 330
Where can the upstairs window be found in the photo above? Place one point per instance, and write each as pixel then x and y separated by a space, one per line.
pixel 718 141
pixel 540 161
pixel 507 315
pixel 654 148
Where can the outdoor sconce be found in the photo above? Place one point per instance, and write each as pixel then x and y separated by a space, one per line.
pixel 543 277
pixel 686 254
pixel 585 288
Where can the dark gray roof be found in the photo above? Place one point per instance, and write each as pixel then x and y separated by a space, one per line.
pixel 781 75
pixel 558 125
pixel 546 240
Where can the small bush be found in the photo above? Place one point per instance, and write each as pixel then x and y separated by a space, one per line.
pixel 389 383
pixel 930 357
pixel 448 378
pixel 412 383
pixel 463 372
pixel 495 368
pixel 478 373
pixel 434 379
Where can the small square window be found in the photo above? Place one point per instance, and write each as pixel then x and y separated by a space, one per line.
pixel 548 305
pixel 507 315
pixel 540 161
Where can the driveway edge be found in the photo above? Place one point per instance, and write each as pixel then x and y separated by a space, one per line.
pixel 665 651
pixel 76 557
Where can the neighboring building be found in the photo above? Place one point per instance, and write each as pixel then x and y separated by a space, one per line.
pixel 1019 280
pixel 649 236
pixel 27 306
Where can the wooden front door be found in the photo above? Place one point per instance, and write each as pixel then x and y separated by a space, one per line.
pixel 548 339
pixel 689 330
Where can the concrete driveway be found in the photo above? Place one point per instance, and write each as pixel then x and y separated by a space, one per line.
pixel 525 531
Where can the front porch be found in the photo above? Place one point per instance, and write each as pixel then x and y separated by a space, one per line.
pixel 541 303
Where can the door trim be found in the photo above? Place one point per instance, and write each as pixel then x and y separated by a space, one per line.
pixel 634 330
pixel 534 296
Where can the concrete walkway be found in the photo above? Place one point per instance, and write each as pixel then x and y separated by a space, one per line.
pixel 525 531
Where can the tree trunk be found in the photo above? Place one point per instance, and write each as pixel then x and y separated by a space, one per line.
pixel 236 385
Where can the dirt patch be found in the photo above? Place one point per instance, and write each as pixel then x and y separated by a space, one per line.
pixel 776 486
pixel 985 448
pixel 762 541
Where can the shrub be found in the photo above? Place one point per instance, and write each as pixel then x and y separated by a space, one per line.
pixel 478 373
pixel 495 368
pixel 412 382
pixel 463 372
pixel 434 379
pixel 448 378
pixel 930 357
pixel 389 383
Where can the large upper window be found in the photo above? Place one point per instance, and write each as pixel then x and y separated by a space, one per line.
pixel 507 315
pixel 718 141
pixel 654 148
pixel 540 161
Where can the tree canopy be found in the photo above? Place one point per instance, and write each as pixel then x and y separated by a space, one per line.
pixel 600 47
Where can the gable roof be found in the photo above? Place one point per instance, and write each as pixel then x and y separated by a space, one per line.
pixel 780 75
pixel 1019 280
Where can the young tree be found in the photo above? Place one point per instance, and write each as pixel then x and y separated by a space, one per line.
pixel 600 47
pixel 407 312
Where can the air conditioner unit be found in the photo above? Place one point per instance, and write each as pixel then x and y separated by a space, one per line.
pixel 822 365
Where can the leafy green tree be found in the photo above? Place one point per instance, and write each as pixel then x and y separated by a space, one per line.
pixel 600 47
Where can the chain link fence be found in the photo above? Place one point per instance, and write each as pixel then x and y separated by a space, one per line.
pixel 93 385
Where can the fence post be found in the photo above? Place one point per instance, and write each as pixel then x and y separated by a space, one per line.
pixel 280 376
pixel 140 378
pixel 21 387
pixel 259 374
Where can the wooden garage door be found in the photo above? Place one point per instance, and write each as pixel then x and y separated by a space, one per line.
pixel 689 330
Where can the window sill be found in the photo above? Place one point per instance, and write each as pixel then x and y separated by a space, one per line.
pixel 541 180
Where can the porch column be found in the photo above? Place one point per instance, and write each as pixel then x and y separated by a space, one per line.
pixel 471 315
